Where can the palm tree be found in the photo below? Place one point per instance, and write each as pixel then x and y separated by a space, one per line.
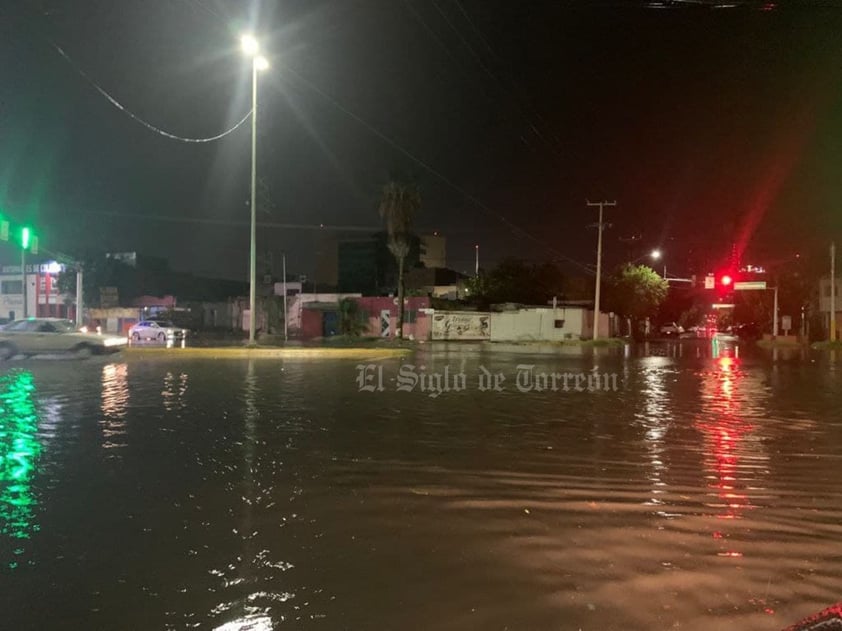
pixel 398 204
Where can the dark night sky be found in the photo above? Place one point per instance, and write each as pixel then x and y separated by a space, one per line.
pixel 704 124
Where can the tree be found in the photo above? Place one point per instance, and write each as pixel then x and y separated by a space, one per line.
pixel 399 203
pixel 635 291
pixel 514 280
pixel 100 271
pixel 351 320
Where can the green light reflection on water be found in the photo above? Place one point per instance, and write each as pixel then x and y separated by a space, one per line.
pixel 19 452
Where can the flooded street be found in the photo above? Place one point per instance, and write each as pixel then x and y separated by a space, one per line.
pixel 702 493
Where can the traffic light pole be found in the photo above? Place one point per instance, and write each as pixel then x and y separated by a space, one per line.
pixel 23 278
pixel 79 319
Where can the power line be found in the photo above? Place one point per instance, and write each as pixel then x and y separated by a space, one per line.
pixel 491 74
pixel 473 199
pixel 230 222
pixel 518 100
pixel 137 118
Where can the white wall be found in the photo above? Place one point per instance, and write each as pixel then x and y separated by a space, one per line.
pixel 522 325
pixel 538 324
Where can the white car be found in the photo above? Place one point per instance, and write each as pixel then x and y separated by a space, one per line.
pixel 156 330
pixel 672 329
pixel 36 336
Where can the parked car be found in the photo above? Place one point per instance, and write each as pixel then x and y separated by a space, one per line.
pixel 157 330
pixel 53 335
pixel 671 329
pixel 747 331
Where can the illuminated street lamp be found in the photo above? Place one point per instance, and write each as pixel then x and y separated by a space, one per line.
pixel 654 255
pixel 251 47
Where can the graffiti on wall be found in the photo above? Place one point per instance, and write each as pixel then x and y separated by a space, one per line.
pixel 461 326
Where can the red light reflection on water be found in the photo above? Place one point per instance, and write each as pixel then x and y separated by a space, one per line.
pixel 724 432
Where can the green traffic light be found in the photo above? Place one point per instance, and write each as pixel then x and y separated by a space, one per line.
pixel 24 238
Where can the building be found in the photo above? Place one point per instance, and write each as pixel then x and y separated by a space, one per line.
pixel 367 266
pixel 318 315
pixel 381 314
pixel 433 251
pixel 436 282
pixel 358 266
pixel 824 304
pixel 326 272
pixel 305 314
pixel 43 298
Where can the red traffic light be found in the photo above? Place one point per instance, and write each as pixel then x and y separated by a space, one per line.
pixel 725 280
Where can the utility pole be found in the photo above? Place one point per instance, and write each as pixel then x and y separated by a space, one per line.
pixel 79 318
pixel 775 314
pixel 833 292
pixel 476 266
pixel 601 205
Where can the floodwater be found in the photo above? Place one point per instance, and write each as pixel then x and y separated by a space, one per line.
pixel 693 490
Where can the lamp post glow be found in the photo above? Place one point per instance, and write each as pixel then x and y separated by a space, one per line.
pixel 251 48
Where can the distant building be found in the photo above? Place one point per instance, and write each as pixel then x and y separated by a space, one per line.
pixel 824 303
pixel 326 273
pixel 433 251
pixel 133 259
pixel 367 266
pixel 436 282
pixel 43 298
pixel 358 268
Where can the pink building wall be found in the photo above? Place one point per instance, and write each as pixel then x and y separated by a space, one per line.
pixel 309 323
pixel 375 305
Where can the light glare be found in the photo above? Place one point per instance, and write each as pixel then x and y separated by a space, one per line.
pixel 261 63
pixel 656 254
pixel 250 45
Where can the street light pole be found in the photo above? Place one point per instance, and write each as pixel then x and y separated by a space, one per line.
pixel 252 48
pixel 253 247
pixel 286 318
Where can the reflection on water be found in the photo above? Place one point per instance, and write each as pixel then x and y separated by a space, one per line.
pixel 175 389
pixel 654 418
pixel 19 453
pixel 250 586
pixel 703 495
pixel 733 453
pixel 248 623
pixel 115 402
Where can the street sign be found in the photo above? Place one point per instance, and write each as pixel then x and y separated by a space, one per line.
pixel 754 284
pixel 709 281
pixel 108 297
pixel 786 323
pixel 722 305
